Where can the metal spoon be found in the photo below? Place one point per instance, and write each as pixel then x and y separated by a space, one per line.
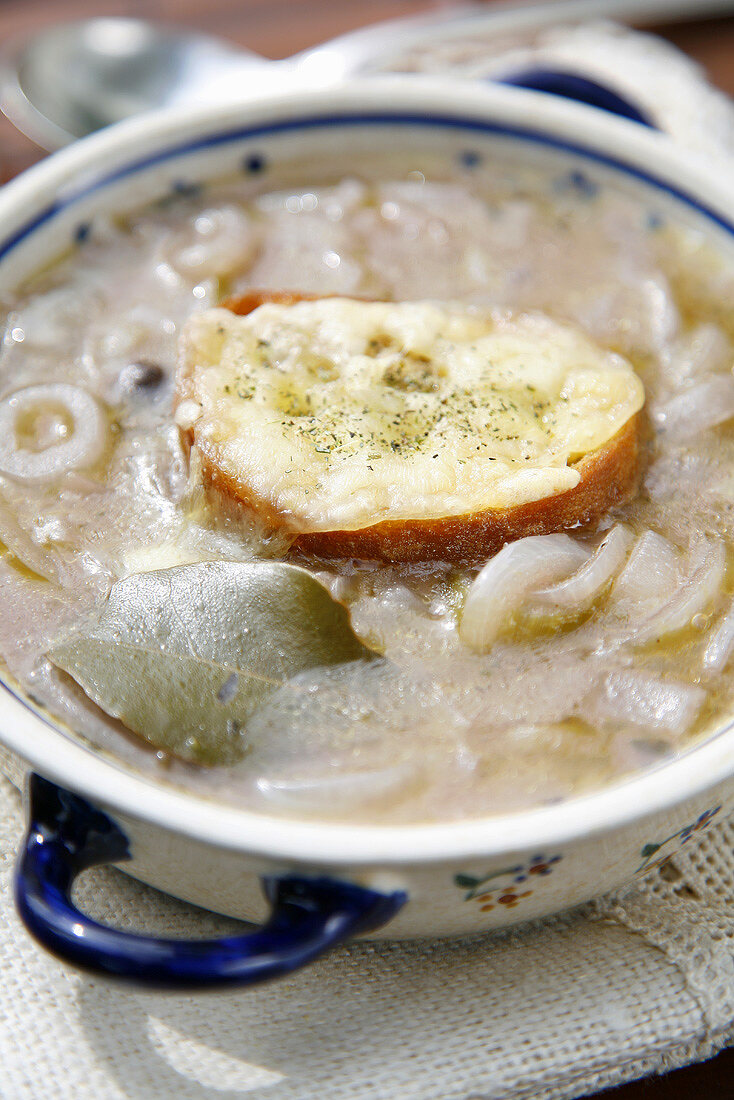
pixel 73 78
pixel 70 79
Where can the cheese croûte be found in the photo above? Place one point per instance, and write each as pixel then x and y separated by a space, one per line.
pixel 367 427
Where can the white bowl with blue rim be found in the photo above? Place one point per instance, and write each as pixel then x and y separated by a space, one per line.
pixel 310 885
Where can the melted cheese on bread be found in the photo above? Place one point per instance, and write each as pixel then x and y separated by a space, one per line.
pixel 337 414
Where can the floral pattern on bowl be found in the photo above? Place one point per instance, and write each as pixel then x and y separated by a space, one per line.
pixel 656 853
pixel 505 888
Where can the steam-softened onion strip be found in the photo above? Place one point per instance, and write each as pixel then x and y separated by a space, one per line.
pixel 652 568
pixel 693 411
pixel 649 701
pixel 345 789
pixel 582 587
pixel 506 579
pixel 721 643
pixel 83 446
pixel 20 544
pixel 696 594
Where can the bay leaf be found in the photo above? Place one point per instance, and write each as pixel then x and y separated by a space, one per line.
pixel 183 655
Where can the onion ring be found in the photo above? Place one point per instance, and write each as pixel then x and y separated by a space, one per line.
pixel 82 447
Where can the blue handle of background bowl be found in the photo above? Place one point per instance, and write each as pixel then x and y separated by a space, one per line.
pixel 66 835
pixel 580 88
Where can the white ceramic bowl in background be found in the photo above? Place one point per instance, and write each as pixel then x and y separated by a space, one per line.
pixel 450 879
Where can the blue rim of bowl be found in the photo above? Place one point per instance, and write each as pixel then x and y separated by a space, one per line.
pixel 240 134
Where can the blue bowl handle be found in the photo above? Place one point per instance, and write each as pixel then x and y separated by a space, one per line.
pixel 580 88
pixel 66 835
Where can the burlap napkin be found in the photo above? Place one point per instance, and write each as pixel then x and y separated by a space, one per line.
pixel 630 985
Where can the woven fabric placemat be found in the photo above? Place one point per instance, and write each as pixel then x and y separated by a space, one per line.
pixel 627 986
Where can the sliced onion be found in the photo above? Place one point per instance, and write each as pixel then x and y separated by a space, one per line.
pixel 648 701
pixel 704 406
pixel 582 587
pixel 221 241
pixel 338 792
pixel 21 545
pixel 703 351
pixel 507 578
pixel 82 446
pixel 695 595
pixel 651 570
pixel 721 643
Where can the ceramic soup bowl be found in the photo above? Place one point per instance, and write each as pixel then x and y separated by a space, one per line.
pixel 309 885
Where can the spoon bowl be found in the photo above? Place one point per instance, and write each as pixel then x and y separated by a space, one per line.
pixel 71 79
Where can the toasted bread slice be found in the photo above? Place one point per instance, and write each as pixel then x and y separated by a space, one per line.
pixel 407 431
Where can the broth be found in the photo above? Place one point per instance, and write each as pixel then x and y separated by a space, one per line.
pixel 563 700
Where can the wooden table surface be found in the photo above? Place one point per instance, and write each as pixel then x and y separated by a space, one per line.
pixel 277 28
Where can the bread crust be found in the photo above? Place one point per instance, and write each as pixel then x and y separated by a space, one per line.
pixel 609 476
pixel 242 304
